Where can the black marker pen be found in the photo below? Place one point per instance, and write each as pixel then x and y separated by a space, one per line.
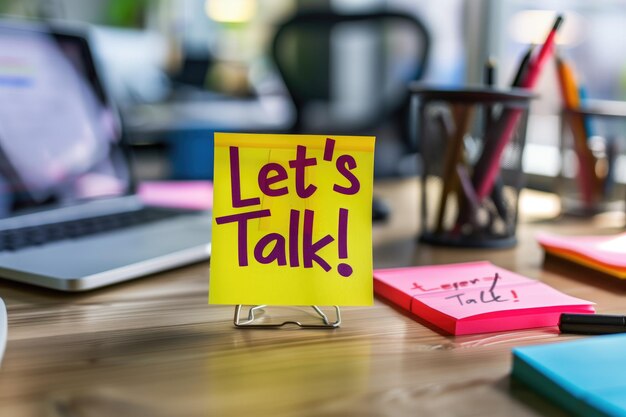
pixel 592 323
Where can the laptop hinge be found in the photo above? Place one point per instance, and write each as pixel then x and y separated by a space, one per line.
pixel 85 210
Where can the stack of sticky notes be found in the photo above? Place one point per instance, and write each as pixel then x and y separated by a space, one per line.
pixel 585 377
pixel 475 297
pixel 604 253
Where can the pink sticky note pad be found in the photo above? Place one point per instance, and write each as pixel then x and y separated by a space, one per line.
pixel 194 195
pixel 476 297
pixel 609 251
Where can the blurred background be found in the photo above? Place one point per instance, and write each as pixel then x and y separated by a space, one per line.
pixel 180 70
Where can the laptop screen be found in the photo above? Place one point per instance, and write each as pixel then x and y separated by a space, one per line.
pixel 59 139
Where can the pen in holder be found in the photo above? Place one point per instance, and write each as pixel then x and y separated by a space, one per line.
pixel 471 143
pixel 590 147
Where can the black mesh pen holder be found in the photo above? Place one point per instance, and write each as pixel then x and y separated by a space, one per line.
pixel 471 144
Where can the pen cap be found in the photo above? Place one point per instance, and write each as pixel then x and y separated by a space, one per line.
pixel 592 324
pixel 471 146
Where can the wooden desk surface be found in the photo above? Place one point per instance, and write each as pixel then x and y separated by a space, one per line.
pixel 153 347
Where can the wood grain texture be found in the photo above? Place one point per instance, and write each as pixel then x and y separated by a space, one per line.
pixel 153 347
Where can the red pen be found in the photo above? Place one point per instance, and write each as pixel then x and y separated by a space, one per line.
pixel 536 65
pixel 488 165
pixel 490 159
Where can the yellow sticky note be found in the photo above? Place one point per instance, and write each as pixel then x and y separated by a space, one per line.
pixel 292 220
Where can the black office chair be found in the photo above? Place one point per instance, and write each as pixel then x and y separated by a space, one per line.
pixel 349 74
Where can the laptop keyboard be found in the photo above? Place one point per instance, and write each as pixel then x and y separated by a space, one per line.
pixel 16 239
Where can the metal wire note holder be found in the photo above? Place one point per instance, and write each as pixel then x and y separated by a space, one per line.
pixel 255 312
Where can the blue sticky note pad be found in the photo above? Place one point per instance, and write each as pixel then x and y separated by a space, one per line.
pixel 587 377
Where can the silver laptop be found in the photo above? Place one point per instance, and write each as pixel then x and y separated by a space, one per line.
pixel 69 217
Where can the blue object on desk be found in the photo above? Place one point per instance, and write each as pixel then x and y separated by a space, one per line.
pixel 586 377
pixel 192 154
